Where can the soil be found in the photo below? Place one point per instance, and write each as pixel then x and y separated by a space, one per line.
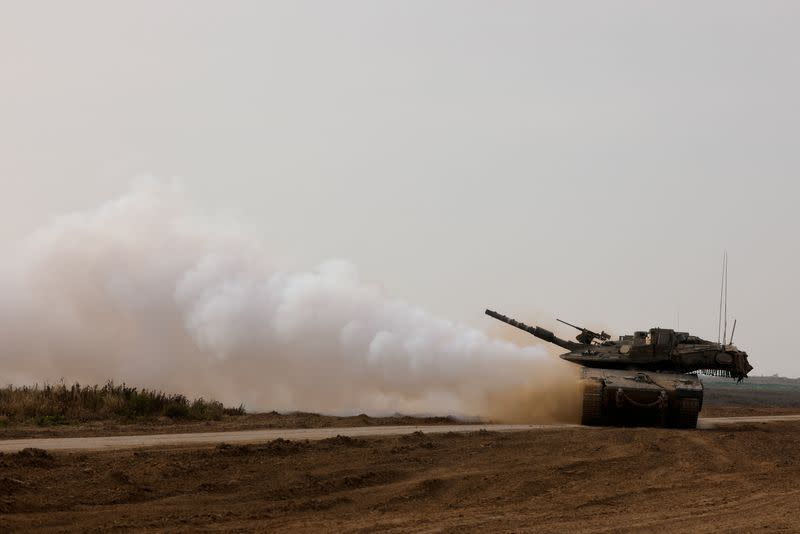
pixel 292 420
pixel 743 478
pixel 736 411
pixel 228 423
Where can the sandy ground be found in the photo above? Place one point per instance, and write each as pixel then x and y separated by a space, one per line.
pixel 94 443
pixel 258 421
pixel 733 478
pixel 737 478
pixel 273 420
pixel 97 443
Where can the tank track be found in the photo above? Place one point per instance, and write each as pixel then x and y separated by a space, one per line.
pixel 681 412
pixel 685 415
pixel 592 414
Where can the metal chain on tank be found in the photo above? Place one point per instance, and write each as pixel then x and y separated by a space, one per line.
pixel 621 398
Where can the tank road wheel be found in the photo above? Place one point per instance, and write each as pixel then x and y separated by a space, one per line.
pixel 686 416
pixel 592 414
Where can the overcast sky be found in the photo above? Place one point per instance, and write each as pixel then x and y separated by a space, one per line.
pixel 583 160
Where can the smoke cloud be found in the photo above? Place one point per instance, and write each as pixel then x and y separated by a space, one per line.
pixel 143 290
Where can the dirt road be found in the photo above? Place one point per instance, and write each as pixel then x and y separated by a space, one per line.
pixel 246 436
pixel 260 436
pixel 711 422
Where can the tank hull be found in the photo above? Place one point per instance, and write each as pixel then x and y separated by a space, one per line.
pixel 615 397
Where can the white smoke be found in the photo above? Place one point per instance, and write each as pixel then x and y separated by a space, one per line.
pixel 144 291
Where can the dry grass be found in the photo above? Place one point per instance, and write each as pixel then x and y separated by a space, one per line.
pixel 63 404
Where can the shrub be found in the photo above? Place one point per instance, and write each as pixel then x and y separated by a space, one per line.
pixel 61 404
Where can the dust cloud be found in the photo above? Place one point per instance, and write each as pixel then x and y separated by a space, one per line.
pixel 144 290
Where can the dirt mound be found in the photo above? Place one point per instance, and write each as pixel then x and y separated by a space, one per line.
pixel 344 441
pixel 32 457
pixel 277 447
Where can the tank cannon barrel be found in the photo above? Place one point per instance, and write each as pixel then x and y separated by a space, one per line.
pixel 541 333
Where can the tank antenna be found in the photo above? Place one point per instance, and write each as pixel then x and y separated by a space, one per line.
pixel 732 331
pixel 719 317
pixel 725 323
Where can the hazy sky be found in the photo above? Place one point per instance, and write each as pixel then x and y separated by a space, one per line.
pixel 586 160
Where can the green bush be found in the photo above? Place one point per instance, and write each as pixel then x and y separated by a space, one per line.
pixel 177 411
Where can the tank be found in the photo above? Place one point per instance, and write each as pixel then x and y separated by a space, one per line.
pixel 647 378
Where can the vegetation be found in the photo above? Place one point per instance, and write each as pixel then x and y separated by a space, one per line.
pixel 753 391
pixel 63 404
